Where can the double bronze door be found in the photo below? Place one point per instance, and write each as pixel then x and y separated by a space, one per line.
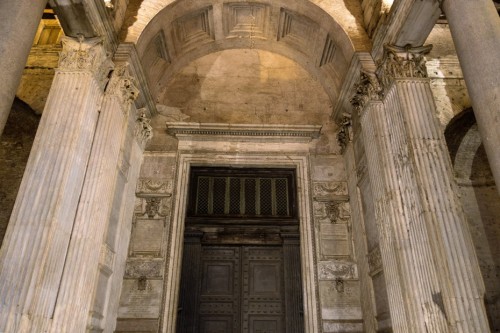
pixel 233 289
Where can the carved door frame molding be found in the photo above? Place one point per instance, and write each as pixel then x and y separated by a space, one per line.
pixel 176 228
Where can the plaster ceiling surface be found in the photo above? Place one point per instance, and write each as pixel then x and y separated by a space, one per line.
pixel 245 86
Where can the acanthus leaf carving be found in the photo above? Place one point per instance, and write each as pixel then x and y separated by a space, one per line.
pixel 85 55
pixel 403 62
pixel 143 129
pixel 367 89
pixel 344 135
pixel 123 86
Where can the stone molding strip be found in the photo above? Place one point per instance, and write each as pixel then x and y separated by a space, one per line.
pixel 200 130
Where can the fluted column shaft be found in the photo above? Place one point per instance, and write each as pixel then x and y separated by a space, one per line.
pixel 19 21
pixel 475 29
pixel 462 290
pixel 415 196
pixel 34 252
pixel 392 248
pixel 94 209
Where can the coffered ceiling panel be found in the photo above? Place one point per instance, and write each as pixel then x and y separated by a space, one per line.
pixel 297 30
pixel 246 20
pixel 193 29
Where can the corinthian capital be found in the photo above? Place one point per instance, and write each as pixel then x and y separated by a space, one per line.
pixel 367 88
pixel 123 86
pixel 85 55
pixel 403 62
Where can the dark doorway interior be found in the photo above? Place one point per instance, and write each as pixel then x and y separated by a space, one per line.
pixel 241 261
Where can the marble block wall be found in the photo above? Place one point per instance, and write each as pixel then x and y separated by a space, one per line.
pixel 142 292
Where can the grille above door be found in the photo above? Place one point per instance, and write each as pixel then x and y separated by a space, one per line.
pixel 252 194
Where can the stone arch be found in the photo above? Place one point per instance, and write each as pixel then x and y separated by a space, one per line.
pixel 182 31
pixel 466 149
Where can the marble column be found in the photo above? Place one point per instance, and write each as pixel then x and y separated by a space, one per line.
pixel 35 248
pixel 475 29
pixel 88 236
pixel 438 264
pixel 19 21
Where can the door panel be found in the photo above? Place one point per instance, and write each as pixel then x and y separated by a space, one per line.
pixel 220 291
pixel 241 291
pixel 262 297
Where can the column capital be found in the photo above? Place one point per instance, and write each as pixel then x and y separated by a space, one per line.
pixel 402 62
pixel 123 86
pixel 85 55
pixel 143 130
pixel 367 88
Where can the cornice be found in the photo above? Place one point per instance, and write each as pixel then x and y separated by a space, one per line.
pixel 200 131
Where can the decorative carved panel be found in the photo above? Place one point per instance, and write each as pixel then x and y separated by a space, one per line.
pixel 333 270
pixel 326 191
pixel 152 186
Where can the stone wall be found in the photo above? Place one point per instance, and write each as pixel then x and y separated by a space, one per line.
pixel 15 147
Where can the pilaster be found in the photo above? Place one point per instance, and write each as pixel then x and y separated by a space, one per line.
pixel 382 173
pixel 360 243
pixel 36 245
pixel 83 266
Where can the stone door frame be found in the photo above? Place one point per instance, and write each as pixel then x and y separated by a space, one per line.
pixel 176 230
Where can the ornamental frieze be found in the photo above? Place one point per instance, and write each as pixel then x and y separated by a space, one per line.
pixel 324 191
pixel 333 270
pixel 154 186
pixel 148 268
